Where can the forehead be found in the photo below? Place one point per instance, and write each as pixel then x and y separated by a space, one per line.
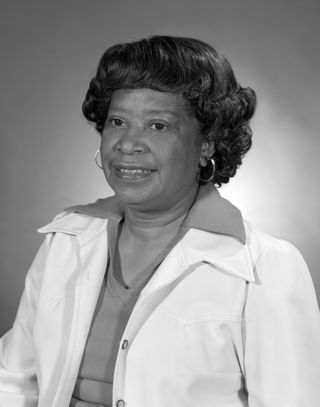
pixel 147 101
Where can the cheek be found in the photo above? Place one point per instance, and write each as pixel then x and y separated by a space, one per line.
pixel 106 147
pixel 182 160
pixel 170 153
pixel 189 151
pixel 106 154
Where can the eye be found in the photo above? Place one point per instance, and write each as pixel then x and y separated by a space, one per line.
pixel 115 122
pixel 159 126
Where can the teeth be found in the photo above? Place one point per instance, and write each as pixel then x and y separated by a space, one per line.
pixel 133 171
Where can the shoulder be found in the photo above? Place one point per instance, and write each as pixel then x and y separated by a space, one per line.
pixel 278 265
pixel 262 245
pixel 57 259
pixel 70 225
pixel 89 219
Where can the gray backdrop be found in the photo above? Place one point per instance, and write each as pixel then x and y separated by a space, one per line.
pixel 49 51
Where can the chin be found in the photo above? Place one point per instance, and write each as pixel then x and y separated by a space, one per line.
pixel 137 201
pixel 133 192
pixel 132 195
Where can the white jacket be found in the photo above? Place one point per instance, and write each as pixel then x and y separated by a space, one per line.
pixel 221 323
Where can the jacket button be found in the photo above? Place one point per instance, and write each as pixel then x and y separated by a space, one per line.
pixel 125 344
pixel 120 403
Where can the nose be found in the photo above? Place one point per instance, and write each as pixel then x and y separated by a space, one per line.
pixel 131 143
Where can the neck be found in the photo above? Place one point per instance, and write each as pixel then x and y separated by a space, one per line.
pixel 146 224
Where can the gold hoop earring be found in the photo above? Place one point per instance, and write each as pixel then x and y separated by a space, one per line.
pixel 208 170
pixel 96 159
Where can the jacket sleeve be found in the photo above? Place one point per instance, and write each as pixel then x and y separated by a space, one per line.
pixel 18 378
pixel 282 332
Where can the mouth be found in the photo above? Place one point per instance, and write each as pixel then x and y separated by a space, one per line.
pixel 133 173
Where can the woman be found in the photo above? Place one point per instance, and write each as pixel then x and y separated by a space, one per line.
pixel 162 295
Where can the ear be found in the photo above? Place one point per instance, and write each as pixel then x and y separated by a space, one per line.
pixel 207 151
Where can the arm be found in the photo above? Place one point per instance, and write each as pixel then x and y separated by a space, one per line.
pixel 18 380
pixel 282 332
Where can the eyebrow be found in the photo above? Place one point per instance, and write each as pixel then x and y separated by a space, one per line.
pixel 147 111
pixel 156 111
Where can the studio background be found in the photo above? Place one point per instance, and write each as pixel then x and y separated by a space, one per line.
pixel 50 50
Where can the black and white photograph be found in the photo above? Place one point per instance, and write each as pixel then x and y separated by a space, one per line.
pixel 160 203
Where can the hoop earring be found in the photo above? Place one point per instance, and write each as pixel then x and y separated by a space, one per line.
pixel 209 171
pixel 96 159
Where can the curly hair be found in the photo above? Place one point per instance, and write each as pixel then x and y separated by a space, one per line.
pixel 195 70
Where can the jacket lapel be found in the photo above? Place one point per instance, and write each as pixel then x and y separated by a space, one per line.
pixel 225 253
pixel 91 235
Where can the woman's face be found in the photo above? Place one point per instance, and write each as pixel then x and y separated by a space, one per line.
pixel 150 148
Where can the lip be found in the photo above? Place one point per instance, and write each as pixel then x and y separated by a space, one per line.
pixel 132 166
pixel 132 171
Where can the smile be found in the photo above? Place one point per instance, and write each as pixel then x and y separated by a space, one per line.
pixel 133 174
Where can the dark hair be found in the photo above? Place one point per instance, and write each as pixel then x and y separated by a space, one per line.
pixel 189 67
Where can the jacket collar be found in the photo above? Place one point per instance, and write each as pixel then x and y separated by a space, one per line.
pixel 215 234
pixel 224 253
pixel 210 212
pixel 85 228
